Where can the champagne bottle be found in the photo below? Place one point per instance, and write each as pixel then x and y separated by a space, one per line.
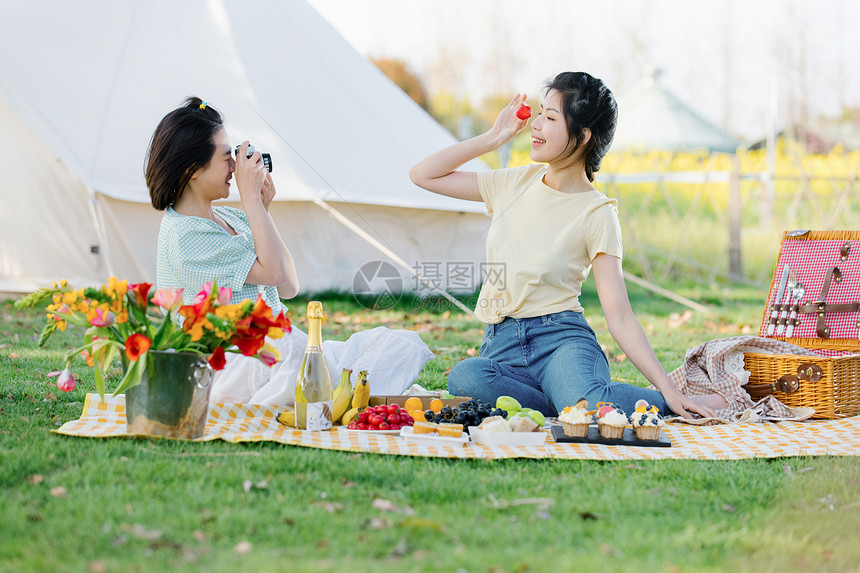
pixel 313 387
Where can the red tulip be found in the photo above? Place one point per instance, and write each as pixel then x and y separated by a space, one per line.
pixel 217 361
pixel 248 338
pixel 135 345
pixel 141 290
pixel 66 382
pixel 262 317
pixel 282 323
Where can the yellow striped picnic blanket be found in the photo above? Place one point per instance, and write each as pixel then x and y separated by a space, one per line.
pixel 252 423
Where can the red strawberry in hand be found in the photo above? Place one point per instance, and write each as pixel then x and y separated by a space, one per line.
pixel 524 111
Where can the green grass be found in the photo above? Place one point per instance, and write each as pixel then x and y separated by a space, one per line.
pixel 157 505
pixel 689 222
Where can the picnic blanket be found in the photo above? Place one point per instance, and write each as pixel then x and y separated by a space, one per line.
pixel 255 423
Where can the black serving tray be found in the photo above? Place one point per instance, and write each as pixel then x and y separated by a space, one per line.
pixel 628 439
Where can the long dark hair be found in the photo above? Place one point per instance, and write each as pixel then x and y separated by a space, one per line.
pixel 587 103
pixel 182 143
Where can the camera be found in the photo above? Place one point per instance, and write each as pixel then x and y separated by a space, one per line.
pixel 267 159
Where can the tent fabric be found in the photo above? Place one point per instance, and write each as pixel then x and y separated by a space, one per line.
pixel 327 254
pixel 90 80
pixel 650 117
pixel 47 224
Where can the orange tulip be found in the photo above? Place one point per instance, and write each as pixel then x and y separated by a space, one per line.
pixel 136 345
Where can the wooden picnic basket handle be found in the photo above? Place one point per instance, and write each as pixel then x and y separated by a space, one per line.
pixel 787 383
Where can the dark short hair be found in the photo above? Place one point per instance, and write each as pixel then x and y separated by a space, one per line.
pixel 587 103
pixel 182 143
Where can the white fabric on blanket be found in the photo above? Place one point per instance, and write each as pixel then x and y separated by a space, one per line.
pixel 392 358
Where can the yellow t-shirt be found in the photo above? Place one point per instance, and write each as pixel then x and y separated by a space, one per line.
pixel 540 244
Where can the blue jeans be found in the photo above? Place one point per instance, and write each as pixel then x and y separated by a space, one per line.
pixel 546 363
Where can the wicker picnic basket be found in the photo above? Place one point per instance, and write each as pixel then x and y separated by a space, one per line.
pixel 821 314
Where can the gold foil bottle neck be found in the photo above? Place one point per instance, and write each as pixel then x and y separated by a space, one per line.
pixel 315 309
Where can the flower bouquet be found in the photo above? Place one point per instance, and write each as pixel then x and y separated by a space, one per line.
pixel 129 322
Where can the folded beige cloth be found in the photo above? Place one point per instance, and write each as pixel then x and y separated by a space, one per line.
pixel 717 367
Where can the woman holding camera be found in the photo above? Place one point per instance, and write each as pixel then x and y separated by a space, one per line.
pixel 550 227
pixel 189 165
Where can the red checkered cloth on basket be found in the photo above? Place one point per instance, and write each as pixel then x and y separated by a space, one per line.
pixel 705 371
pixel 811 260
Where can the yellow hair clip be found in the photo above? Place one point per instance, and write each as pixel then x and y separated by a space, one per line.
pixel 203 105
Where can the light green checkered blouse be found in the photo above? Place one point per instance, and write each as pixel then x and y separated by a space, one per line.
pixel 193 251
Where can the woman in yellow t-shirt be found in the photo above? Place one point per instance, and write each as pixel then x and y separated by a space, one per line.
pixel 550 227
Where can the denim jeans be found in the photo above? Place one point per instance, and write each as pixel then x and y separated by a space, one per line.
pixel 546 363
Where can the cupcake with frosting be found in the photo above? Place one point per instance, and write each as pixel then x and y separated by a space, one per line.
pixel 576 419
pixel 611 421
pixel 647 422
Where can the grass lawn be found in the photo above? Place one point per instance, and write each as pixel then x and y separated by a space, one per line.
pixel 72 504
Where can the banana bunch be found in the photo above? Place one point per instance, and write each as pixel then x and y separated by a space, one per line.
pixel 287 418
pixel 360 398
pixel 341 399
pixel 342 396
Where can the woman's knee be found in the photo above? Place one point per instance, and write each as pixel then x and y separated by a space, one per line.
pixel 575 372
pixel 468 374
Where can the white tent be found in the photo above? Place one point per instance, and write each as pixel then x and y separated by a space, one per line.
pixel 83 85
pixel 652 117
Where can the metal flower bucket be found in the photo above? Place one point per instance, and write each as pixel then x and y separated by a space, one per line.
pixel 172 399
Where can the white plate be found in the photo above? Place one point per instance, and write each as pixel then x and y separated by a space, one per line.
pixel 432 439
pixel 507 438
pixel 377 432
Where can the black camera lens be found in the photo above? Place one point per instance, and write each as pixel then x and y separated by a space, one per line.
pixel 267 159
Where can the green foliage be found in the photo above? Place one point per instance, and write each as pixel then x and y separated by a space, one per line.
pixel 399 73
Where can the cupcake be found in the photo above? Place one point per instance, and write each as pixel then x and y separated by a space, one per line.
pixel 611 421
pixel 575 420
pixel 647 422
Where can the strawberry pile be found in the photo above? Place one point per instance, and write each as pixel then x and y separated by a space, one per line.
pixel 383 417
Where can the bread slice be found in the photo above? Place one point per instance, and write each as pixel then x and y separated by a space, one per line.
pixel 423 428
pixel 494 424
pixel 523 424
pixel 451 430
